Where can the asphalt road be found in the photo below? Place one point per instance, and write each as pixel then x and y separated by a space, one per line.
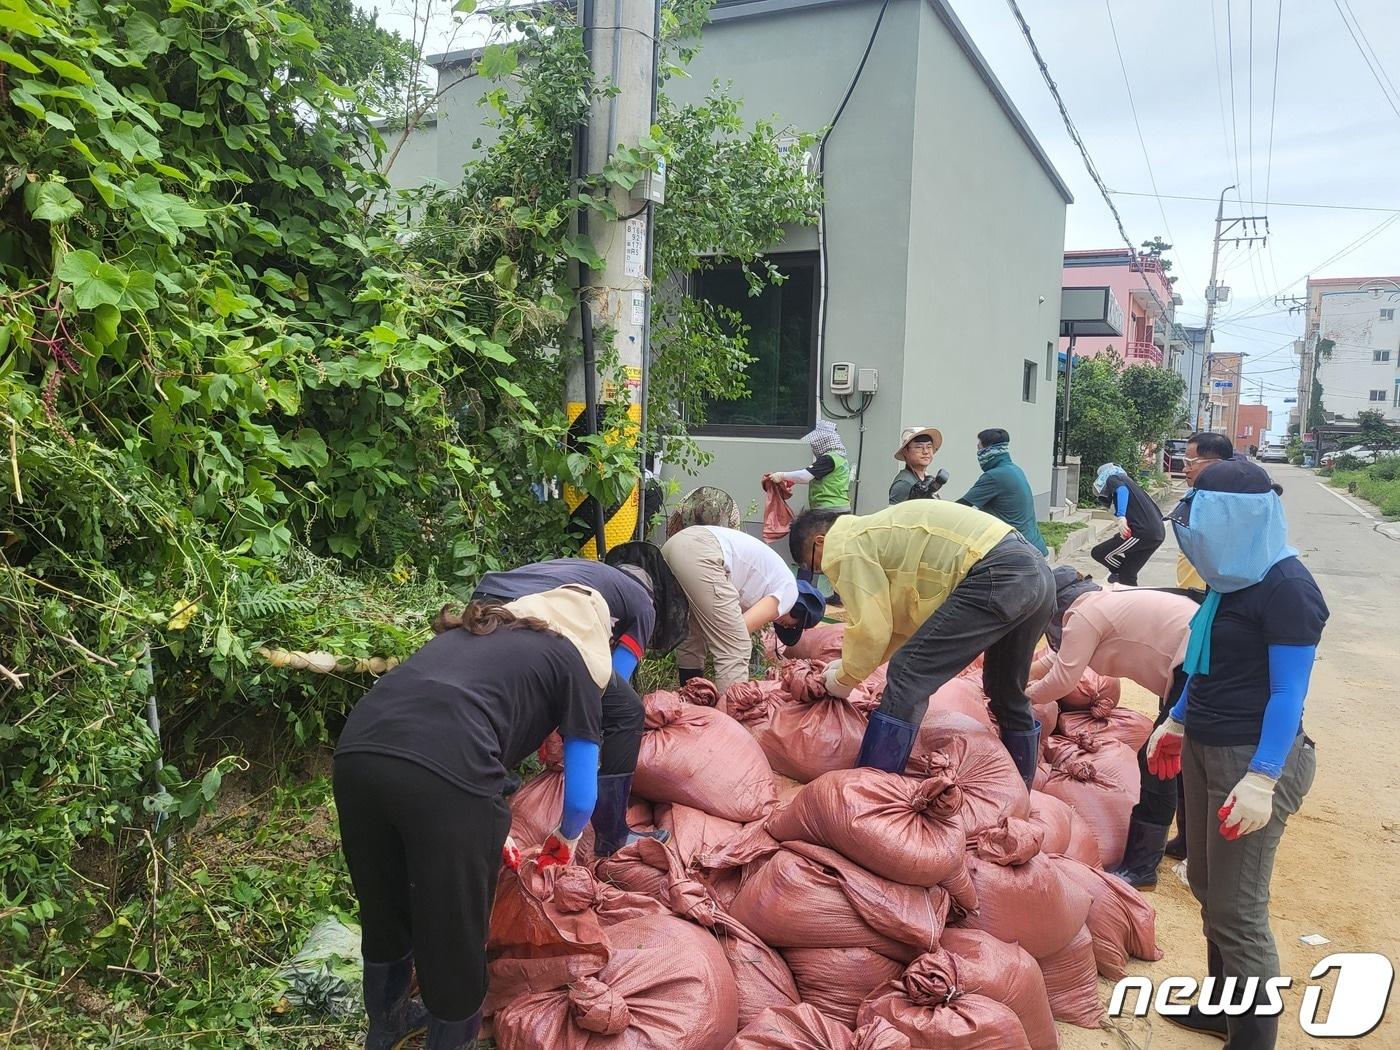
pixel 1338 870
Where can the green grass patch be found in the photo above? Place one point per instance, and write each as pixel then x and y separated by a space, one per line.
pixel 1383 492
pixel 1056 532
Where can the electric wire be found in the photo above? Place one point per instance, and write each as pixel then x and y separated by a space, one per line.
pixel 1369 65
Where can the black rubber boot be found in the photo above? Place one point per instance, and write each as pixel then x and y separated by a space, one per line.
pixel 1176 846
pixel 1251 1032
pixel 687 674
pixel 393 1016
pixel 887 743
pixel 1142 854
pixel 1024 746
pixel 1193 1020
pixel 453 1035
pixel 610 830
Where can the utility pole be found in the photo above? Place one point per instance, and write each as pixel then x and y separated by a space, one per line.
pixel 1223 227
pixel 622 43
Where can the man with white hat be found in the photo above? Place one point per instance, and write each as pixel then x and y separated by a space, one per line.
pixel 917 447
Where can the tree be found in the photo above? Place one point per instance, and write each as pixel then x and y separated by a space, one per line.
pixel 1154 395
pixel 1374 431
pixel 1157 249
pixel 1100 420
pixel 381 64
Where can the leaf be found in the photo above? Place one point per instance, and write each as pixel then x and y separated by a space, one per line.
pixel 21 22
pixel 464 7
pixel 129 140
pixel 14 58
pixel 286 394
pixel 209 786
pixel 58 120
pixel 144 37
pixel 165 213
pixel 140 291
pixel 64 68
pixel 498 60
pixel 105 320
pixel 494 351
pixel 504 272
pixel 94 281
pixel 415 357
pixel 577 246
pixel 384 335
pixel 223 640
pixel 307 449
pixel 181 615
pixel 51 201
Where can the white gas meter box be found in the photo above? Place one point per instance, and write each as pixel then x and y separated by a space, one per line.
pixel 843 378
pixel 652 185
pixel 868 380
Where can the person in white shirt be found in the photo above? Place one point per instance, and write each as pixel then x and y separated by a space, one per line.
pixel 736 584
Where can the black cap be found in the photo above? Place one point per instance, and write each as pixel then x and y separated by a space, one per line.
pixel 1233 475
pixel 808 611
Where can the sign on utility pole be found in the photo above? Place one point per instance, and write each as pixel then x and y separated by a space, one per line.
pixel 621 38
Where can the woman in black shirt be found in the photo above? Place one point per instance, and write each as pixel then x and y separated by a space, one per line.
pixel 421 773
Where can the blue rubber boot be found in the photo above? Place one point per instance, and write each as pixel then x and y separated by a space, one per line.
pixel 610 830
pixel 887 743
pixel 453 1035
pixel 1024 747
pixel 393 1016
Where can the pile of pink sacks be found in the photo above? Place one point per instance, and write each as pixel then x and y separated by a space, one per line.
pixel 944 906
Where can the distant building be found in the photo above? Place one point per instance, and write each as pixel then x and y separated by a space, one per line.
pixel 1141 287
pixel 945 235
pixel 1222 407
pixel 1189 360
pixel 1353 335
pixel 1252 427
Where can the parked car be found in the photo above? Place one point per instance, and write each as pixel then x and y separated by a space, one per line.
pixel 1273 453
pixel 1357 452
pixel 1174 456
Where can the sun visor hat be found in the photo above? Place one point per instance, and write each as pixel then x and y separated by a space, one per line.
pixel 669 600
pixel 808 611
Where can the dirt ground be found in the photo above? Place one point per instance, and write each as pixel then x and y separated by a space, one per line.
pixel 1338 869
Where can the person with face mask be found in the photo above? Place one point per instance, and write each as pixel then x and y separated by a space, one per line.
pixel 1202 450
pixel 1236 733
pixel 1002 490
pixel 1129 632
pixel 917 447
pixel 829 474
pixel 1140 530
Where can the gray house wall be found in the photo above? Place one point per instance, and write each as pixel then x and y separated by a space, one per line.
pixel 986 242
pixel 945 227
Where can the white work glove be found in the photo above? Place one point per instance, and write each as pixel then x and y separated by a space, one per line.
pixel 1249 807
pixel 510 854
pixel 834 686
pixel 1123 529
pixel 1164 749
pixel 558 849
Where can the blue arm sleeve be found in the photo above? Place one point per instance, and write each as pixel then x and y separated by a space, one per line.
pixel 1120 500
pixel 1290 668
pixel 624 662
pixel 1179 708
pixel 580 786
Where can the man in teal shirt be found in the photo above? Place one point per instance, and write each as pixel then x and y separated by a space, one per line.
pixel 1003 491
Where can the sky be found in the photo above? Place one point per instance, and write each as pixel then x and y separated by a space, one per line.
pixel 1295 102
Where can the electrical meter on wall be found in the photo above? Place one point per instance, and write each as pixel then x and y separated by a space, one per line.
pixel 842 379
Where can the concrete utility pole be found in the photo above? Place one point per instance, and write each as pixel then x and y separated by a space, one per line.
pixel 621 38
pixel 1222 229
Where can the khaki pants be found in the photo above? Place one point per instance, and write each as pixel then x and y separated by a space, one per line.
pixel 716 618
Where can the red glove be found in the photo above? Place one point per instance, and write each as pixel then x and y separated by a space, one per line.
pixel 1164 749
pixel 510 854
pixel 557 849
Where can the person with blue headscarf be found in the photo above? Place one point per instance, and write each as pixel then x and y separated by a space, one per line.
pixel 1236 732
pixel 1140 530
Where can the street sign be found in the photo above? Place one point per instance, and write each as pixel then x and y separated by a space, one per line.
pixel 1223 384
pixel 1290 401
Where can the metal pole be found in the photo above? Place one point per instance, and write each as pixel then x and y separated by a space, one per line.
pixel 1064 421
pixel 1210 308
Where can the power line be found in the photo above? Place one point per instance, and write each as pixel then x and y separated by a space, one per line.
pixel 1083 150
pixel 1230 43
pixel 1251 105
pixel 1273 106
pixel 1265 203
pixel 1372 68
pixel 1220 90
pixel 1142 141
pixel 1365 39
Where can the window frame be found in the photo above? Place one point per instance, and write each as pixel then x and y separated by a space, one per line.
pixel 775 431
pixel 1380 357
pixel 1387 313
pixel 1029 373
pixel 1377 400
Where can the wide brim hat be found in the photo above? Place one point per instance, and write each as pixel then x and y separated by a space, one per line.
pixel 910 433
pixel 669 600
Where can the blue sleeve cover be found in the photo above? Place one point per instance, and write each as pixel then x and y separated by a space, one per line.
pixel 580 786
pixel 1290 668
pixel 624 662
pixel 1120 500
pixel 1179 708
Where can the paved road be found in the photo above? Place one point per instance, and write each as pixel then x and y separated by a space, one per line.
pixel 1338 872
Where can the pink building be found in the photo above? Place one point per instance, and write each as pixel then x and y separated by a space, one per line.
pixel 1132 280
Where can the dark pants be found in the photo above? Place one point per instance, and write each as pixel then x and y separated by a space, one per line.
pixel 1156 802
pixel 1001 608
pixel 623 721
pixel 1124 559
pixel 1231 879
pixel 423 856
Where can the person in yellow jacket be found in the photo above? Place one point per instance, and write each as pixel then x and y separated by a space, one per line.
pixel 929 586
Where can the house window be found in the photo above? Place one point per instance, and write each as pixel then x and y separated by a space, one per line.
pixel 1388 313
pixel 1029 369
pixel 1378 395
pixel 1050 362
pixel 781 320
pixel 1380 355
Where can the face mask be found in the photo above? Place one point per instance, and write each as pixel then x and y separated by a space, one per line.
pixel 1232 539
pixel 986 457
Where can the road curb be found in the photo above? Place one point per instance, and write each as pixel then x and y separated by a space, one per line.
pixel 1093 531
